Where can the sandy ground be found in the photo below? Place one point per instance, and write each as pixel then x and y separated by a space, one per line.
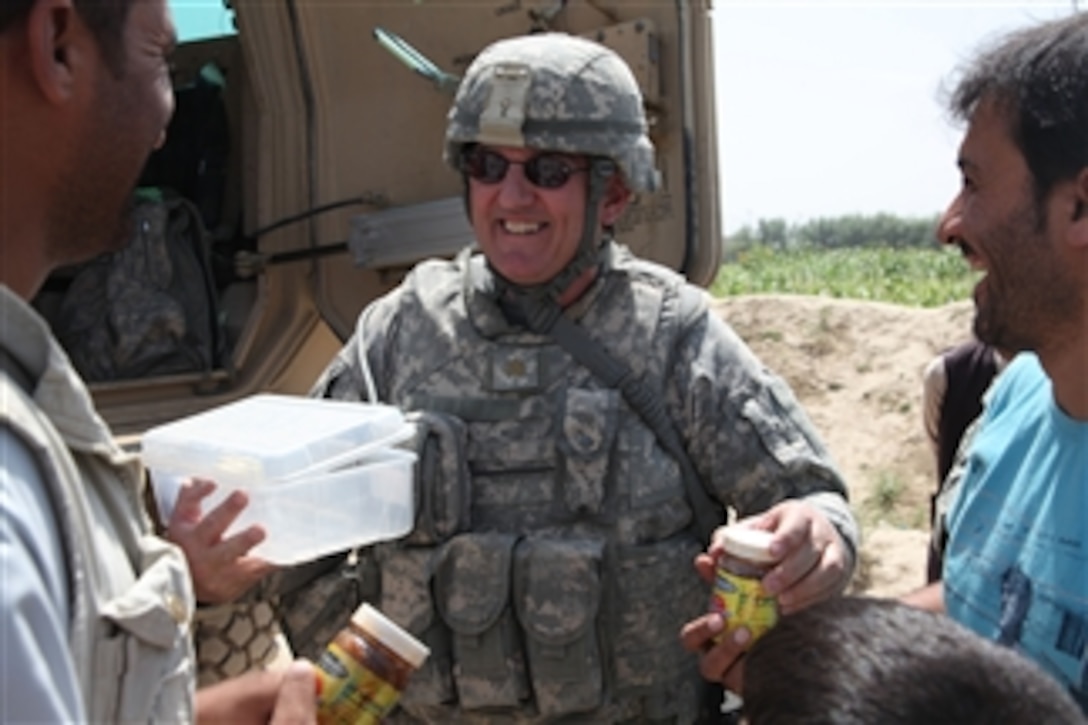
pixel 857 369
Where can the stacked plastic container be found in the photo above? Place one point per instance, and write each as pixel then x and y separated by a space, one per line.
pixel 321 475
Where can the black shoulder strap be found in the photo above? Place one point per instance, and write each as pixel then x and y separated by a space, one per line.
pixel 545 317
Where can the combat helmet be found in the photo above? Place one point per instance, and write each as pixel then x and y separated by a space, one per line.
pixel 557 92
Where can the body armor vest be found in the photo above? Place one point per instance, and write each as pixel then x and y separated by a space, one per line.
pixel 550 570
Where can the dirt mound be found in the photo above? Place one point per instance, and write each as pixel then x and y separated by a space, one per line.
pixel 857 369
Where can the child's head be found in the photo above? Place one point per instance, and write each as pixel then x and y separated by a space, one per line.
pixel 861 661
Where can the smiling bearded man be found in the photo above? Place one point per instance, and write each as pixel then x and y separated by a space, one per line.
pixel 1015 568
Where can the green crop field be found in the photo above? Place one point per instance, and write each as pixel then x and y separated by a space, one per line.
pixel 917 277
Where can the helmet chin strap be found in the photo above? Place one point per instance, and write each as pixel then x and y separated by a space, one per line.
pixel 537 306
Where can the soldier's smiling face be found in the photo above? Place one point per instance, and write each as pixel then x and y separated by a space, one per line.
pixel 528 232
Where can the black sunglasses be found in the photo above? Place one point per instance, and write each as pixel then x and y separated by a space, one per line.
pixel 546 170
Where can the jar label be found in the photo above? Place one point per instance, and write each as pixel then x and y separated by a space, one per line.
pixel 742 601
pixel 348 692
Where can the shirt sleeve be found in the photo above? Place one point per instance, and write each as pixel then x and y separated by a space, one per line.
pixel 357 373
pixel 37 678
pixel 750 439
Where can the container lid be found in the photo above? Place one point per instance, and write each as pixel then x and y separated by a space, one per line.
pixel 407 647
pixel 750 544
pixel 266 437
pixel 355 455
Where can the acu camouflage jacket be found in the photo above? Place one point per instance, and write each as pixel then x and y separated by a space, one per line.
pixel 551 567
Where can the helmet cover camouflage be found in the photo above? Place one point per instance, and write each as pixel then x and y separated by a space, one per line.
pixel 554 92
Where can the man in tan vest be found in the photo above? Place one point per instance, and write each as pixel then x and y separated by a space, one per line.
pixel 95 611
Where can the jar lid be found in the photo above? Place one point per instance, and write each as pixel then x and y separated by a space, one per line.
pixel 750 544
pixel 404 645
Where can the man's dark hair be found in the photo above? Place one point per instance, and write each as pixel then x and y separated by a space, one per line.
pixel 105 18
pixel 858 661
pixel 1038 78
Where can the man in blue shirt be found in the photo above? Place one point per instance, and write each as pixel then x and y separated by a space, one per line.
pixel 1016 564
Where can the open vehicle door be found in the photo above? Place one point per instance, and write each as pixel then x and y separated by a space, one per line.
pixel 309 137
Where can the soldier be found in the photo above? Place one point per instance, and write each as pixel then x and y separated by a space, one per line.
pixel 584 421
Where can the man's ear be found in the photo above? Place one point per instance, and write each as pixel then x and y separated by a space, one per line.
pixel 616 198
pixel 54 45
pixel 1079 227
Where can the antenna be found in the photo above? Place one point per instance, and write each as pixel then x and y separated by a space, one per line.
pixel 416 61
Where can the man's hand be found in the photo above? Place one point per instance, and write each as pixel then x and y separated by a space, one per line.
pixel 929 597
pixel 221 569
pixel 296 703
pixel 287 697
pixel 722 661
pixel 814 563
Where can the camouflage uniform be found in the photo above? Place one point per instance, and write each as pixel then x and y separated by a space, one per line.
pixel 559 553
pixel 550 570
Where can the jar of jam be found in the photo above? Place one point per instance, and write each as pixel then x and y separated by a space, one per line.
pixel 364 670
pixel 738 590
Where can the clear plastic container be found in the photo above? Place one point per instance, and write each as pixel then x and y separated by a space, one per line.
pixel 321 475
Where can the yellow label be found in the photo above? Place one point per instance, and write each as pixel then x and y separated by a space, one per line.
pixel 743 603
pixel 349 693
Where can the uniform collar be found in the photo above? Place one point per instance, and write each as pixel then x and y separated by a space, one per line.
pixel 480 287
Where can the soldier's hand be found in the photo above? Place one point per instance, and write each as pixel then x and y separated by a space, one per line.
pixel 814 563
pixel 721 661
pixel 221 568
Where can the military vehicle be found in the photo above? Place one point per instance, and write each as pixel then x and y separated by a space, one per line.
pixel 309 136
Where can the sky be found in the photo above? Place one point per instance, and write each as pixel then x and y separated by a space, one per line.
pixel 827 107
pixel 833 108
